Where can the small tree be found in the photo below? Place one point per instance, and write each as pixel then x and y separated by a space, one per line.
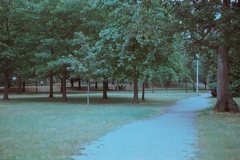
pixel 82 59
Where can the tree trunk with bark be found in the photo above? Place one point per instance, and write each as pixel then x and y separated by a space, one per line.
pixel 51 79
pixel 96 85
pixel 36 86
pixel 61 85
pixel 72 82
pixel 64 87
pixel 51 85
pixel 107 85
pixel 135 87
pixel 146 84
pixel 79 84
pixel 105 88
pixel 225 103
pixel 205 85
pixel 143 91
pixel 23 86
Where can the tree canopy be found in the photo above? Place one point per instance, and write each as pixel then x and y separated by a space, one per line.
pixel 134 40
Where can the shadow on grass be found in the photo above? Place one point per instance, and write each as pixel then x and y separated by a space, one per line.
pixel 114 97
pixel 72 98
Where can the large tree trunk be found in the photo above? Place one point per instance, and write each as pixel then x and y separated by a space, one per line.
pixel 205 84
pixel 143 91
pixel 79 84
pixel 72 82
pixel 51 79
pixel 107 85
pixel 23 86
pixel 135 85
pixel 96 85
pixel 146 84
pixel 105 88
pixel 225 103
pixel 36 86
pixel 6 85
pixel 64 87
pixel 51 85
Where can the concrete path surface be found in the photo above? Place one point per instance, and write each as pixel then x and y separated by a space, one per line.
pixel 171 136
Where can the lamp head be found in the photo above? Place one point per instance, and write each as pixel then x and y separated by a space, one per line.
pixel 198 56
pixel 14 78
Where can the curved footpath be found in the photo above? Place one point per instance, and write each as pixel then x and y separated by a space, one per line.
pixel 171 136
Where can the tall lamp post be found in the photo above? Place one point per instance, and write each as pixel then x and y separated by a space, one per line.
pixel 197 55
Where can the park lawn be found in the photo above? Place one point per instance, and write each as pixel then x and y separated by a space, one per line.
pixel 219 135
pixel 35 127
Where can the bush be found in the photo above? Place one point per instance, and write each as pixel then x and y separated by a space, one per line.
pixel 234 89
pixel 213 88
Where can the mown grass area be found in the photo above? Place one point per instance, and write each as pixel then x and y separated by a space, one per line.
pixel 219 135
pixel 33 126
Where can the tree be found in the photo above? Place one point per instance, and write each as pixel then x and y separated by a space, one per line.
pixel 225 103
pixel 212 24
pixel 60 20
pixel 82 59
pixel 15 38
pixel 133 26
pixel 47 49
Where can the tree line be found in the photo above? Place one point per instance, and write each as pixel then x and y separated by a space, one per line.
pixel 134 40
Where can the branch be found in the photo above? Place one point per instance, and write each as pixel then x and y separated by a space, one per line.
pixel 202 42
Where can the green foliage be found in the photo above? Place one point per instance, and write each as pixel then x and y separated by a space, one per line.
pixel 17 38
pixel 60 23
pixel 206 25
pixel 82 61
pixel 113 38
pixel 139 34
pixel 132 34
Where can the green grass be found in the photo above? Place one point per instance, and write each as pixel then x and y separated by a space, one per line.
pixel 33 126
pixel 219 135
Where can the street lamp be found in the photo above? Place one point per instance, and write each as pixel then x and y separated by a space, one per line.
pixel 197 55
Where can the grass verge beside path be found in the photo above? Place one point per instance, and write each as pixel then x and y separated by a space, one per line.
pixel 35 127
pixel 219 135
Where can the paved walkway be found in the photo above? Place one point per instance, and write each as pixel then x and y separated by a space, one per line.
pixel 171 136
